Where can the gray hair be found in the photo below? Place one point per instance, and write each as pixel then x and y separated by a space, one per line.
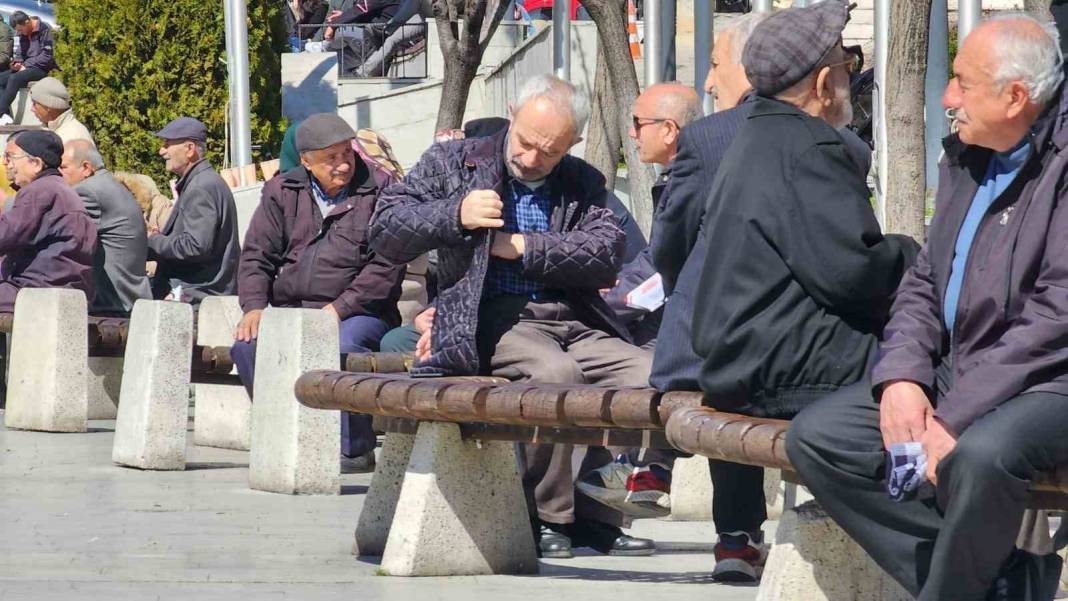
pixel 739 29
pixel 85 151
pixel 1027 56
pixel 202 148
pixel 560 93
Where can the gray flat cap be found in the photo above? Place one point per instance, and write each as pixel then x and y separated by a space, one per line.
pixel 790 43
pixel 184 128
pixel 322 130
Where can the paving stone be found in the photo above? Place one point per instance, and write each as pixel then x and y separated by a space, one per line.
pixel 461 510
pixel 295 449
pixel 150 430
pixel 48 365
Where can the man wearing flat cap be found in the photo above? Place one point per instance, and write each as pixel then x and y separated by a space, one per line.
pixel 46 236
pixel 51 104
pixel 197 249
pixel 798 275
pixel 307 247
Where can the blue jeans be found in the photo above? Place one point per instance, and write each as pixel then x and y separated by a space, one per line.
pixel 358 334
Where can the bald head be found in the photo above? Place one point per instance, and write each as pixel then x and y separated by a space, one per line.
pixel 80 161
pixel 660 112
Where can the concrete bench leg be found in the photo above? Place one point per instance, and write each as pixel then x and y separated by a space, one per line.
pixel 815 560
pixel 691 490
pixel 150 432
pixel 105 384
pixel 295 449
pixel 461 510
pixel 48 363
pixel 222 412
pixel 380 504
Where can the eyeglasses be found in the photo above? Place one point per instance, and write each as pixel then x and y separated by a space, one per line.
pixel 12 157
pixel 853 64
pixel 640 122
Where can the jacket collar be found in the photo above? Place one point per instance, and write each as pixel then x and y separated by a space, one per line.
pixel 63 118
pixel 197 167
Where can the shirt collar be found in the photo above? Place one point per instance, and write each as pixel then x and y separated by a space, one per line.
pixel 321 195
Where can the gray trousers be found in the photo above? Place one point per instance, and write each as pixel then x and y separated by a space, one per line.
pixel 949 544
pixel 544 342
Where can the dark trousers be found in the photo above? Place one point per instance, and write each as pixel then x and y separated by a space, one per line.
pixel 12 81
pixel 949 544
pixel 358 334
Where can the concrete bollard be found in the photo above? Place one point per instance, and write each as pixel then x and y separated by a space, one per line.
pixel 461 510
pixel 815 560
pixel 380 505
pixel 48 364
pixel 691 490
pixel 150 431
pixel 222 414
pixel 295 449
pixel 105 386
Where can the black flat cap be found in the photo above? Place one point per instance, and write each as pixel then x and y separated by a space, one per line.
pixel 789 44
pixel 44 145
pixel 184 128
pixel 322 130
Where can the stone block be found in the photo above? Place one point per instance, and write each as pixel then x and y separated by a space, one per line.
pixel 105 384
pixel 48 364
pixel 461 510
pixel 295 449
pixel 223 412
pixel 691 490
pixel 150 432
pixel 815 560
pixel 379 506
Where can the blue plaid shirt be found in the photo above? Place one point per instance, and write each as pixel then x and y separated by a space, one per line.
pixel 527 211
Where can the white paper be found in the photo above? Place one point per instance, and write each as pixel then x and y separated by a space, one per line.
pixel 648 296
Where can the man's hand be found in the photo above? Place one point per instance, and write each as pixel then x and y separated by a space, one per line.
pixel 938 441
pixel 508 246
pixel 248 329
pixel 334 14
pixel 425 320
pixel 331 310
pixel 422 347
pixel 481 208
pixel 16 67
pixel 153 231
pixel 328 33
pixel 903 412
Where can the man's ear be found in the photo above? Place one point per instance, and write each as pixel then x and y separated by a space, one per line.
pixel 1019 98
pixel 577 140
pixel 824 93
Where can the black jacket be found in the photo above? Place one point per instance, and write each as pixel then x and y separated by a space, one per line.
pixel 797 275
pixel 580 255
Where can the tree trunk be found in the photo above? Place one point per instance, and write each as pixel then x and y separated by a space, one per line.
pixel 906 182
pixel 610 17
pixel 1038 8
pixel 603 139
pixel 463 32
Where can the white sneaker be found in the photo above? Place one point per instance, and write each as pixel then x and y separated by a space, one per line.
pixel 6 120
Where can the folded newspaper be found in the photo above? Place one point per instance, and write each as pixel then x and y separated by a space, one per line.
pixel 648 296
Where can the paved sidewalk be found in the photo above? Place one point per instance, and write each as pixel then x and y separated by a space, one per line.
pixel 75 526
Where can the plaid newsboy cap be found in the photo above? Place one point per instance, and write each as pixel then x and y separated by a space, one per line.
pixel 789 44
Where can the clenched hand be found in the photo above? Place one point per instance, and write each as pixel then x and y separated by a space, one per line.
pixel 481 208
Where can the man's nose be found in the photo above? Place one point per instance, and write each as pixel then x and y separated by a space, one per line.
pixel 951 99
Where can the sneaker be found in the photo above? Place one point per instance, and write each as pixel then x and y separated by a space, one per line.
pixel 361 464
pixel 6 120
pixel 608 483
pixel 740 557
pixel 648 492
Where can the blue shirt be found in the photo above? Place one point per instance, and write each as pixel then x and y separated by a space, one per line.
pixel 1000 173
pixel 326 203
pixel 525 211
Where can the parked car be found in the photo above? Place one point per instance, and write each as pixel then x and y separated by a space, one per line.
pixel 35 8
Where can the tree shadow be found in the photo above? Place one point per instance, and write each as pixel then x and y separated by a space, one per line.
pixel 353 489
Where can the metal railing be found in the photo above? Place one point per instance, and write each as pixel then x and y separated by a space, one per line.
pixel 370 50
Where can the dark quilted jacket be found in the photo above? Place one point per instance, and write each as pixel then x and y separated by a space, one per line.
pixel 580 255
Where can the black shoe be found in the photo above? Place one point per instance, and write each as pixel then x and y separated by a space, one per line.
pixel 361 464
pixel 553 545
pixel 610 540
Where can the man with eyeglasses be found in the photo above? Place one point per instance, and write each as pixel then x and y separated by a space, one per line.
pixel 46 236
pixel 197 249
pixel 796 275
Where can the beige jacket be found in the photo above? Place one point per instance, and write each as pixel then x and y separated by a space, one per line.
pixel 68 128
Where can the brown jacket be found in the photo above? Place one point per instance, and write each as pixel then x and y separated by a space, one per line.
pixel 294 257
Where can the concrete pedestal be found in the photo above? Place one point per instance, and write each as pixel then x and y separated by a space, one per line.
pixel 295 449
pixel 380 505
pixel 815 560
pixel 461 510
pixel 105 384
pixel 223 412
pixel 691 490
pixel 48 362
pixel 150 432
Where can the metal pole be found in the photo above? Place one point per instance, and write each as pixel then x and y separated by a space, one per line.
pixel 703 40
pixel 562 39
pixel 237 59
pixel 968 14
pixel 762 6
pixel 227 151
pixel 653 53
pixel 882 53
pixel 668 14
pixel 936 126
